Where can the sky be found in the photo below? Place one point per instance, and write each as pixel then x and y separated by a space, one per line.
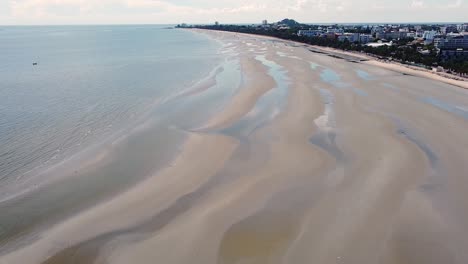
pixel 51 12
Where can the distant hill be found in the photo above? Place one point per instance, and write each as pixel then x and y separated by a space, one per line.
pixel 289 22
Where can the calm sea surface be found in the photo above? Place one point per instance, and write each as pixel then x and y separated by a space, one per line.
pixel 91 86
pixel 89 81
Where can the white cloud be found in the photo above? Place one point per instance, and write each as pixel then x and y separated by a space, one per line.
pixel 417 4
pixel 225 11
pixel 457 4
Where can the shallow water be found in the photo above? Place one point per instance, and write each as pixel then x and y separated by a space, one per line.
pixel 329 76
pixel 454 109
pixel 89 83
pixel 364 75
pixel 104 108
pixel 267 107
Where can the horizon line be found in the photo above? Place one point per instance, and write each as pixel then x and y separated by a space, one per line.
pixel 245 23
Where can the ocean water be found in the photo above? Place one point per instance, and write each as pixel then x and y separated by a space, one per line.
pixel 97 93
pixel 89 82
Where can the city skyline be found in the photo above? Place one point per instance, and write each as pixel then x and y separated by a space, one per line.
pixel 61 12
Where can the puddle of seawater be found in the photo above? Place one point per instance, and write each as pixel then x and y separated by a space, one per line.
pixel 364 75
pixel 432 181
pixel 325 138
pixel 432 157
pixel 389 86
pixel 454 109
pixel 206 102
pixel 329 76
pixel 267 107
pixel 359 92
pixel 282 54
pixel 314 65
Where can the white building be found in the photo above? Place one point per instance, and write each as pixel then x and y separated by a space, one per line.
pixel 355 37
pixel 335 30
pixel 429 36
pixel 379 43
pixel 351 37
pixel 309 33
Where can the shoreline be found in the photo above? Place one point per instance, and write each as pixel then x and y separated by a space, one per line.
pixel 370 60
pixel 171 175
pixel 333 166
pixel 100 162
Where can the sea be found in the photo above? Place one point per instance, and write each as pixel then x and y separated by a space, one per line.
pixel 88 111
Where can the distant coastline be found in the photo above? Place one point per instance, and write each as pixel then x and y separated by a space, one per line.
pixel 455 80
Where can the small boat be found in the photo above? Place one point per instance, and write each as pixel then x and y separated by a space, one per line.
pixel 34 63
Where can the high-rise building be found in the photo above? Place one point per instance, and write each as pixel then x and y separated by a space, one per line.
pixel 448 29
pixel 462 27
pixel 452 42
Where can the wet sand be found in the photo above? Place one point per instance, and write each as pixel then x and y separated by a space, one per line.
pixel 314 159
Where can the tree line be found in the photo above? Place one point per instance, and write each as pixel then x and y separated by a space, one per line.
pixel 401 51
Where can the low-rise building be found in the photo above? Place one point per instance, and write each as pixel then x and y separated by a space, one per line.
pixel 365 38
pixel 309 33
pixel 411 35
pixel 335 30
pixel 391 35
pixel 377 29
pixel 351 37
pixel 419 33
pixel 329 35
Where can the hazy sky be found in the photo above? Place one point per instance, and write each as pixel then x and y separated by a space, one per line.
pixel 228 11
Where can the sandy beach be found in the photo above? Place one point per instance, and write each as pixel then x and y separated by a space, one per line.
pixel 313 159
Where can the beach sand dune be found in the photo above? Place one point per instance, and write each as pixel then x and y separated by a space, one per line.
pixel 315 159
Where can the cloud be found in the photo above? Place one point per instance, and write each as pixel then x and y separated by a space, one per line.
pixel 21 8
pixel 457 4
pixel 44 8
pixel 225 11
pixel 417 4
